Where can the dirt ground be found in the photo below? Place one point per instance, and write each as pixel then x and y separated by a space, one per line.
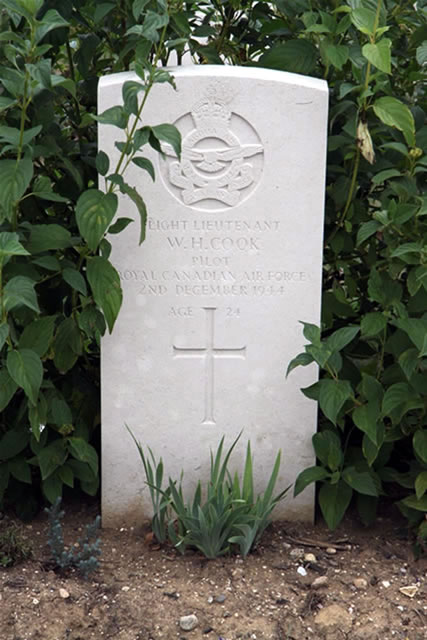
pixel 141 591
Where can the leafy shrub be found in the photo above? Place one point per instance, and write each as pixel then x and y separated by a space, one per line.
pixel 221 517
pixel 58 290
pixel 85 559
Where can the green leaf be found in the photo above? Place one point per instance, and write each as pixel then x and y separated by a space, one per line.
pixel 373 323
pixel 38 416
pixel 10 246
pixel 66 475
pixel 119 225
pixel 337 54
pixel 379 54
pixel 327 446
pixel 75 279
pixel 15 178
pixel 20 291
pixel 83 451
pixel 366 418
pixel 416 329
pixel 51 457
pixel 414 503
pixel 102 163
pixel 341 338
pixel 421 53
pixel 309 475
pixel 115 116
pixel 149 29
pixel 51 20
pixel 102 10
pixel 394 113
pixel 105 284
pixel 7 389
pixel 333 395
pixel 12 443
pixel 297 56
pixel 94 212
pixel 4 332
pixel 147 165
pixel 334 500
pixel 382 176
pixel 369 450
pixel 361 481
pixel 140 205
pixel 12 135
pixel 311 333
pixel 395 396
pixel 364 20
pixel 45 237
pixel 302 359
pixel 20 469
pixel 421 484
pixel 320 353
pixel 81 470
pixel 67 345
pixel 408 361
pixel 137 7
pixel 168 133
pixel 130 92
pixel 60 412
pixel 366 230
pixel 420 444
pixel 26 370
pixel 52 487
pixel 38 335
pixel 51 263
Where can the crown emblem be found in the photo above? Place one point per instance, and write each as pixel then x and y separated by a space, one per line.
pixel 213 107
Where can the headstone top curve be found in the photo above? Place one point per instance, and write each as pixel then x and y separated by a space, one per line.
pixel 211 71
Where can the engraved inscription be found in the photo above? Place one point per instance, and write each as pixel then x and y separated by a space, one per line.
pixel 222 155
pixel 209 353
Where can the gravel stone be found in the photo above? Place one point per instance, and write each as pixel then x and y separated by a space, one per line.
pixel 360 583
pixel 321 581
pixel 188 623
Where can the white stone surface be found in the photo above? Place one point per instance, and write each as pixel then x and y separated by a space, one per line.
pixel 213 298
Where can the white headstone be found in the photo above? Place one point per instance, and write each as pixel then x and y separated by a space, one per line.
pixel 214 296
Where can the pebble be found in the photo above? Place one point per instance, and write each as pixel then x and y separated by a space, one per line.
pixel 188 623
pixel 360 583
pixel 301 571
pixel 310 557
pixel 35 601
pixel 296 553
pixel 220 599
pixel 331 550
pixel 64 593
pixel 386 584
pixel 321 581
pixel 125 588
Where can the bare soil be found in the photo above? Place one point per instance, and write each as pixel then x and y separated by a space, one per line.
pixel 141 591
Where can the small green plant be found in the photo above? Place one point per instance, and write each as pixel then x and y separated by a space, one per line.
pixel 85 560
pixel 13 548
pixel 224 516
pixel 160 499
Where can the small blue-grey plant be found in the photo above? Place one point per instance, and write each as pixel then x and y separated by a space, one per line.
pixel 85 560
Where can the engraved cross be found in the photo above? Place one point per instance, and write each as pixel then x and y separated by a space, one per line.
pixel 209 353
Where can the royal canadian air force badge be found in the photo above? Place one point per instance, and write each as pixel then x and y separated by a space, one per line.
pixel 222 155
